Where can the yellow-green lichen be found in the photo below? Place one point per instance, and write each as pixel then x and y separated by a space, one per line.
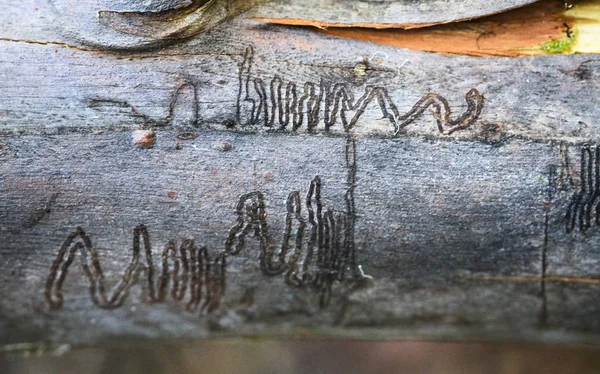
pixel 360 70
pixel 561 45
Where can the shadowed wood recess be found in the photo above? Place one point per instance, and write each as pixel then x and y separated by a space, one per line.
pixel 263 180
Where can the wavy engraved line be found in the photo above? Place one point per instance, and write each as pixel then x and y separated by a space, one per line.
pixel 316 253
pixel 565 179
pixel 285 106
pixel 195 263
pixel 328 257
pixel 584 208
pixel 272 106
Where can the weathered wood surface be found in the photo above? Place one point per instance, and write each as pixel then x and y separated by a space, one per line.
pixel 427 228
pixel 380 14
pixel 86 90
pixel 476 231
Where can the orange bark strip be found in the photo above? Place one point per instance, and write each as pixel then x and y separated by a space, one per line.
pixel 520 32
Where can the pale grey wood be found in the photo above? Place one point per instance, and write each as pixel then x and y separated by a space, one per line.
pixel 390 13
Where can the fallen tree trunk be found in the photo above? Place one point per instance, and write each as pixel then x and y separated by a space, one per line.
pixel 258 180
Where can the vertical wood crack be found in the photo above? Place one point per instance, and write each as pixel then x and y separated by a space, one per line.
pixel 543 314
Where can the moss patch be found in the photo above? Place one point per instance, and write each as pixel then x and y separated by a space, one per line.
pixel 560 46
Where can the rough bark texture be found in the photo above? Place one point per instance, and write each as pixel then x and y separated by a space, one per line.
pixel 409 213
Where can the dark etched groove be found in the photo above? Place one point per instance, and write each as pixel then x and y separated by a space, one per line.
pixel 325 235
pixel 316 253
pixel 272 106
pixel 584 209
pixel 282 107
pixel 565 178
pixel 550 194
pixel 194 262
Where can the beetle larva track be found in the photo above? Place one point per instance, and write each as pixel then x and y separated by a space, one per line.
pixel 584 207
pixel 279 106
pixel 283 107
pixel 325 236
